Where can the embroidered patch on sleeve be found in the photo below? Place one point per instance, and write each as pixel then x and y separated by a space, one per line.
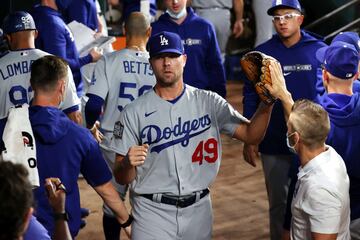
pixel 118 130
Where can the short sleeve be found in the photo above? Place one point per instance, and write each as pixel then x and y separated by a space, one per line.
pixel 227 117
pixel 125 132
pixel 71 98
pixel 99 83
pixel 323 208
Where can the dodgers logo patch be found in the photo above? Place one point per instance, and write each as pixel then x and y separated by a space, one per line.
pixel 118 130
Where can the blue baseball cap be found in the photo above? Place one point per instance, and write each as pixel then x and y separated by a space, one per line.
pixel 349 37
pixel 165 42
pixel 18 21
pixel 277 4
pixel 340 59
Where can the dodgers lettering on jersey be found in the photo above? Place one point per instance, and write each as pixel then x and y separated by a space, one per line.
pixel 15 68
pixel 181 133
pixel 183 136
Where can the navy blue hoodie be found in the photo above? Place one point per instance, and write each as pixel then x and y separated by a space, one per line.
pixel 203 67
pixel 63 150
pixel 301 70
pixel 344 114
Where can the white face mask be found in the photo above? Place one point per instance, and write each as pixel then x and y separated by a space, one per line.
pixel 177 15
pixel 291 148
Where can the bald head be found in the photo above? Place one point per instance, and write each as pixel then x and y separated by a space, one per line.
pixel 137 25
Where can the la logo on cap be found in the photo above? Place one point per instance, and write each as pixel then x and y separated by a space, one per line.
pixel 163 40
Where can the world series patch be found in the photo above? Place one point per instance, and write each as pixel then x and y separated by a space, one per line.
pixel 118 130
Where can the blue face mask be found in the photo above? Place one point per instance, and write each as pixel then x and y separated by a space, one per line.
pixel 291 148
pixel 177 15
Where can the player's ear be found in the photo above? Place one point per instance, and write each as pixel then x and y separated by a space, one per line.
pixel 325 78
pixel 184 57
pixel 300 19
pixel 36 33
pixel 148 32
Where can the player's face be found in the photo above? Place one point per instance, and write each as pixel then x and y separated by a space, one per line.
pixel 175 5
pixel 168 68
pixel 287 22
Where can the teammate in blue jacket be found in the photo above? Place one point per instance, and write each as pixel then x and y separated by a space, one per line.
pixel 65 149
pixel 340 61
pixel 295 50
pixel 204 67
pixel 82 11
pixel 56 38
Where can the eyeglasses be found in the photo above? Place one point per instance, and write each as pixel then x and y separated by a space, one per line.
pixel 285 17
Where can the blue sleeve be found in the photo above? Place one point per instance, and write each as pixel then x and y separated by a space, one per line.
pixel 2 126
pixel 85 60
pixel 320 90
pixel 250 99
pixel 215 66
pixel 94 168
pixel 93 108
pixel 71 109
pixel 36 231
pixel 84 12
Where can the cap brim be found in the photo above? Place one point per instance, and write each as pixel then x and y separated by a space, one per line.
pixel 271 10
pixel 167 51
pixel 320 54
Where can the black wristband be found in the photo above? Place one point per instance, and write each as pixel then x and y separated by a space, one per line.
pixel 128 222
pixel 61 216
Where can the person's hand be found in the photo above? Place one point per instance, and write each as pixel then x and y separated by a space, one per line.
pixel 56 193
pixel 238 28
pixel 278 87
pixel 96 132
pixel 128 231
pixel 137 154
pixel 96 54
pixel 251 154
pixel 76 117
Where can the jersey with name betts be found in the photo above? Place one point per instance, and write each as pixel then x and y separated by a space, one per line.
pixel 184 139
pixel 119 78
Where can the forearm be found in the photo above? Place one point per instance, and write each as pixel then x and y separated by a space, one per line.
pixel 256 130
pixel 238 6
pixel 124 173
pixel 112 199
pixel 61 231
pixel 287 103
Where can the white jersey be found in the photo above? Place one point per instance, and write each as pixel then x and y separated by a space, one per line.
pixel 15 70
pixel 119 78
pixel 183 136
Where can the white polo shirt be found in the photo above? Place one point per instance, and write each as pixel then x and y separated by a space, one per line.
pixel 321 199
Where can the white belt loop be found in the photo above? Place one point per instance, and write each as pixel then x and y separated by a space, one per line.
pixel 157 197
pixel 197 196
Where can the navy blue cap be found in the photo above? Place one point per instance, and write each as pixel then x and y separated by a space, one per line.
pixel 165 42
pixel 18 21
pixel 349 37
pixel 340 59
pixel 277 4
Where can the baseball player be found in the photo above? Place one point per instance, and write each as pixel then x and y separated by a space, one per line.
pixel 119 78
pixel 168 147
pixel 20 32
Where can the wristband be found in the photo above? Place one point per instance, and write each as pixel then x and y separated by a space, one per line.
pixel 128 222
pixel 61 216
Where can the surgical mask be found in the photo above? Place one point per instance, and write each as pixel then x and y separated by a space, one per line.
pixel 177 15
pixel 291 148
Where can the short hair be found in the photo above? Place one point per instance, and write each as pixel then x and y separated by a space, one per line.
pixel 311 121
pixel 16 199
pixel 136 24
pixel 46 72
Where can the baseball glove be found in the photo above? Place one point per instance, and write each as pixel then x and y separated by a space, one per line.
pixel 256 68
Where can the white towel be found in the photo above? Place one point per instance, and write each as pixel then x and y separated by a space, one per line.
pixel 19 142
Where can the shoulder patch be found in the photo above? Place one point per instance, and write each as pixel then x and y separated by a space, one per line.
pixel 118 130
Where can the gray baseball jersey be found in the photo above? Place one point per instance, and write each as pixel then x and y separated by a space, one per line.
pixel 212 4
pixel 15 69
pixel 183 136
pixel 119 78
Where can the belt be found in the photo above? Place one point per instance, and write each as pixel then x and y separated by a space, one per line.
pixel 180 202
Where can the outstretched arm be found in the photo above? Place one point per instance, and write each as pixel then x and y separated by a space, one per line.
pixel 254 132
pixel 238 6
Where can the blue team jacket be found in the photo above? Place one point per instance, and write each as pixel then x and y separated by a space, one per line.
pixel 56 38
pixel 64 150
pixel 344 114
pixel 130 6
pixel 204 67
pixel 302 71
pixel 83 11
